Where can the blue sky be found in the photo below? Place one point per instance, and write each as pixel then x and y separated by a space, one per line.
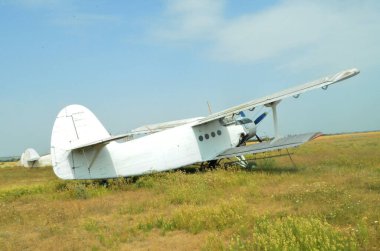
pixel 141 62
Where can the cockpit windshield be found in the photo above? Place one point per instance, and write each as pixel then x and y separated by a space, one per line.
pixel 226 121
pixel 243 121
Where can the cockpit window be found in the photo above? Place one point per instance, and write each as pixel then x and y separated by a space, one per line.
pixel 226 121
pixel 243 121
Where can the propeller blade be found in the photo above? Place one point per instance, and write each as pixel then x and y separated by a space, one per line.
pixel 258 138
pixel 259 118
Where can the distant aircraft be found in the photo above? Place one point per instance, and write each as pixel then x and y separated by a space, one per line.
pixel 30 158
pixel 81 148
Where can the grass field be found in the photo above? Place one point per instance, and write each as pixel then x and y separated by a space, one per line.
pixel 330 201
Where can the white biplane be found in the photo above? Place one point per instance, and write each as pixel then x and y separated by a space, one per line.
pixel 81 148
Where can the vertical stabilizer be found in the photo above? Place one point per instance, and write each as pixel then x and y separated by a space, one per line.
pixel 75 125
pixel 29 157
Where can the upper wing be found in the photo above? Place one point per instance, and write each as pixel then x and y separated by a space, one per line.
pixel 277 144
pixel 323 82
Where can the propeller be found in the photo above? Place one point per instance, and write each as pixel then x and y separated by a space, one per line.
pixel 257 121
pixel 252 129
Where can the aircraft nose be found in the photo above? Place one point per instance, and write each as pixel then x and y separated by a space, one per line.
pixel 251 128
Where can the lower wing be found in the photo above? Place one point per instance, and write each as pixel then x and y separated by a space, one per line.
pixel 276 144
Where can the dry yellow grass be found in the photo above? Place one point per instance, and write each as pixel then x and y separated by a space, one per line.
pixel 8 164
pixel 332 197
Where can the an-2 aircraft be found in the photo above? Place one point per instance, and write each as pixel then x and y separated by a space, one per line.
pixel 81 148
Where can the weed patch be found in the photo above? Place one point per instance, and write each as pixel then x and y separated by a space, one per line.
pixel 292 233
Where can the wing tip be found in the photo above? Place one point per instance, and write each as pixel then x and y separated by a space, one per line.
pixel 343 75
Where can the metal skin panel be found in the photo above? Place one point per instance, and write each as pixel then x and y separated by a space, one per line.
pixel 211 147
pixel 44 161
pixel 169 149
pixel 92 163
pixel 172 148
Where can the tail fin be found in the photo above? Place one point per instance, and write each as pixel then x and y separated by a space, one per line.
pixel 29 157
pixel 75 125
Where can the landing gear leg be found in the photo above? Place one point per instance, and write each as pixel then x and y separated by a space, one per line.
pixel 291 159
pixel 213 163
pixel 242 161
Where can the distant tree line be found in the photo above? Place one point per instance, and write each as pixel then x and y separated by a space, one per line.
pixel 10 159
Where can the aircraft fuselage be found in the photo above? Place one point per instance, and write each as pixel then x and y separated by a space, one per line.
pixel 165 150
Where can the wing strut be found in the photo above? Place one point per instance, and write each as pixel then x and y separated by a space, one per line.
pixel 273 105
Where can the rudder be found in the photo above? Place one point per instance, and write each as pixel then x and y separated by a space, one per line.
pixel 75 125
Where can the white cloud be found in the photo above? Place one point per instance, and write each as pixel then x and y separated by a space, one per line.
pixel 299 33
pixel 255 37
pixel 190 20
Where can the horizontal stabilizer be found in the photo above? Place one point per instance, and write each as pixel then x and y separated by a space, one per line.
pixel 276 144
pixel 101 141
